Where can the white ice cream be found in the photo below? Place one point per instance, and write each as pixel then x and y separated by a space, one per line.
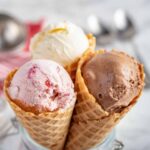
pixel 63 42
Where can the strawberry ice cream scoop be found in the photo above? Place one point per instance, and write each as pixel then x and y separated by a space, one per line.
pixel 42 86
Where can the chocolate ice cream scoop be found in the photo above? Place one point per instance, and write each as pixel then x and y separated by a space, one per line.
pixel 113 78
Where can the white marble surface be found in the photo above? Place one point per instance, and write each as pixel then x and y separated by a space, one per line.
pixel 134 129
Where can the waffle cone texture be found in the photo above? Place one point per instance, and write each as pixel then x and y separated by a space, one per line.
pixel 71 68
pixel 90 122
pixel 48 129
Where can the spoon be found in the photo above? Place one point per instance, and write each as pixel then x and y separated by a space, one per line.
pixel 12 32
pixel 126 32
pixel 99 30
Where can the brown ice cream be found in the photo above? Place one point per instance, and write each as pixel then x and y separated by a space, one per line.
pixel 113 78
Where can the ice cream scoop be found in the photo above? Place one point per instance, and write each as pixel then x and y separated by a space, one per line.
pixel 113 78
pixel 42 86
pixel 63 42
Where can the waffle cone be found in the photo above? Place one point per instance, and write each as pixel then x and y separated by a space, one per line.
pixel 48 129
pixel 71 68
pixel 91 124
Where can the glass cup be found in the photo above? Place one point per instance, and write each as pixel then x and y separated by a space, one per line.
pixel 6 117
pixel 108 144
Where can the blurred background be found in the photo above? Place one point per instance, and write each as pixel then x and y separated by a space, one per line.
pixel 123 25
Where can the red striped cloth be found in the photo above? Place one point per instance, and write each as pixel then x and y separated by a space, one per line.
pixel 9 61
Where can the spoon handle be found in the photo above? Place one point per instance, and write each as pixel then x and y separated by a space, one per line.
pixel 139 57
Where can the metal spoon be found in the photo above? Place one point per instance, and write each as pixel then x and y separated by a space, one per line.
pixel 12 32
pixel 126 32
pixel 99 30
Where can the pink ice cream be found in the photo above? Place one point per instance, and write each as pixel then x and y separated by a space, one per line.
pixel 43 85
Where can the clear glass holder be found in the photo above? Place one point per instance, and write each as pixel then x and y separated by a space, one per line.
pixel 110 143
pixel 6 119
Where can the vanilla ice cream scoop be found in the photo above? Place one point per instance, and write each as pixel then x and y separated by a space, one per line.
pixel 42 85
pixel 63 42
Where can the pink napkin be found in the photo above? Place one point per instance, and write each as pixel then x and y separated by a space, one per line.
pixel 9 61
